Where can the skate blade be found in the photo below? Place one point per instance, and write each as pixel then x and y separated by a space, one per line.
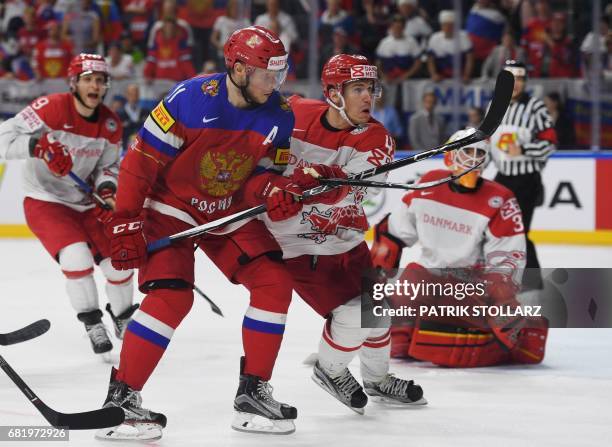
pixel 315 379
pixel 397 403
pixel 253 423
pixel 131 432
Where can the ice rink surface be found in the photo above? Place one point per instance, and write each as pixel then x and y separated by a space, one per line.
pixel 566 401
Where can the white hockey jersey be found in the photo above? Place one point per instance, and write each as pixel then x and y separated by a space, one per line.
pixel 355 150
pixel 462 229
pixel 94 145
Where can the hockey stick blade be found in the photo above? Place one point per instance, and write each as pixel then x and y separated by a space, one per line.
pixel 216 309
pixel 501 99
pixel 27 333
pixel 89 420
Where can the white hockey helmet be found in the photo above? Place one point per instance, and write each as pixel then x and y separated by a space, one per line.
pixel 462 159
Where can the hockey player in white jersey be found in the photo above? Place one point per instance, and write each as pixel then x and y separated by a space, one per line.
pixel 57 134
pixel 323 246
pixel 474 224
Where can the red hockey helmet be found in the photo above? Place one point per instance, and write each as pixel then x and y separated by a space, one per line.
pixel 255 46
pixel 86 64
pixel 344 68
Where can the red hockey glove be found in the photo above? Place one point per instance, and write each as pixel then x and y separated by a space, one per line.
pixel 502 291
pixel 128 246
pixel 104 214
pixel 284 202
pixel 55 154
pixel 307 178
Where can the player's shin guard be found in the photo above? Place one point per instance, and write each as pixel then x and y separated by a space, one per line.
pixel 374 355
pixel 264 322
pixel 119 287
pixel 149 332
pixel 77 264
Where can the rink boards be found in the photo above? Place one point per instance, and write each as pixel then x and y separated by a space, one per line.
pixel 576 206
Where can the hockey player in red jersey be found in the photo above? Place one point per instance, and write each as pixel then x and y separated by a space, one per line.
pixel 473 226
pixel 56 134
pixel 324 247
pixel 210 148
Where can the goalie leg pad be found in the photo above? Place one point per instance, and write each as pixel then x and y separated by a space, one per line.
pixel 531 342
pixel 453 346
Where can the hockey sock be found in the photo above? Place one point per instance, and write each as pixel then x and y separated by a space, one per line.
pixel 119 287
pixel 374 355
pixel 342 337
pixel 149 332
pixel 333 357
pixel 264 322
pixel 76 263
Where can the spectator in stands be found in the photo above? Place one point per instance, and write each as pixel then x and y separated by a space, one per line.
pixel 535 33
pixel 426 128
pixel 224 26
pixel 475 116
pixel 441 48
pixel 29 34
pixel 11 19
pixel 52 55
pixel 332 17
pixel 339 45
pixel 45 13
pixel 110 20
pixel 132 115
pixel 138 17
pixel 169 57
pixel 169 9
pixel 81 25
pixel 371 26
pixel 387 115
pixel 588 44
pixel 560 58
pixel 398 55
pixel 201 16
pixel 485 25
pixel 279 21
pixel 416 25
pixel 120 65
pixel 508 50
pixel 128 47
pixel 564 126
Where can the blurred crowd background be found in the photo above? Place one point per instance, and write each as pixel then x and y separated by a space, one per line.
pixel 437 58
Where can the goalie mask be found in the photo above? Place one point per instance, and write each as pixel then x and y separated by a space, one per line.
pixel 462 159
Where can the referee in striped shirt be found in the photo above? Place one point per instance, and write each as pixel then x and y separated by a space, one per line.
pixel 520 147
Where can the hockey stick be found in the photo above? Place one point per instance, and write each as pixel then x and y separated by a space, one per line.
pixel 499 104
pixel 216 309
pixel 27 333
pixel 89 190
pixel 82 184
pixel 89 420
pixel 410 187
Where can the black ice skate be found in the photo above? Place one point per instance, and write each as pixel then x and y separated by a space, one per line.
pixel 256 409
pixel 120 322
pixel 396 391
pixel 96 331
pixel 140 424
pixel 344 388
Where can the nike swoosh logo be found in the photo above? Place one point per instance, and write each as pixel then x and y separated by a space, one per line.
pixel 68 126
pixel 209 120
pixel 426 193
